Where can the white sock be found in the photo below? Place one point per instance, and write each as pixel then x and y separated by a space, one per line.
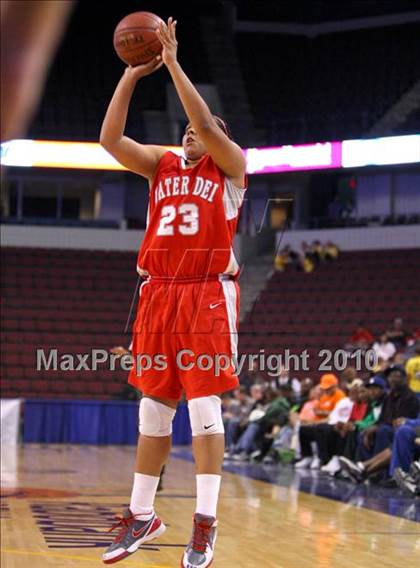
pixel 208 487
pixel 143 495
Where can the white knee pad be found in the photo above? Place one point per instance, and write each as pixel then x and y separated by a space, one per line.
pixel 206 416
pixel 155 418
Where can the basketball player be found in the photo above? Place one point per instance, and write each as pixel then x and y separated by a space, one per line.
pixel 189 300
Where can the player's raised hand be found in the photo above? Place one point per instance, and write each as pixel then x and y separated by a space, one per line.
pixel 139 71
pixel 167 36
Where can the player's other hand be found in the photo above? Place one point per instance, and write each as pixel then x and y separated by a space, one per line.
pixel 136 73
pixel 119 351
pixel 167 35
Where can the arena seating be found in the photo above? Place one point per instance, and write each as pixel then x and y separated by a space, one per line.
pixel 364 71
pixel 321 309
pixel 77 300
pixel 65 299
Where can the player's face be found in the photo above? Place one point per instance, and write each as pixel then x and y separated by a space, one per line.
pixel 193 146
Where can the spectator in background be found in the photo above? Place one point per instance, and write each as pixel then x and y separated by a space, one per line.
pixel 348 375
pixel 327 434
pixel 283 379
pixel 401 402
pixel 287 438
pixel 412 368
pixel 307 258
pixel 330 397
pixel 257 395
pixel 274 421
pixel 306 387
pixel 331 251
pixel 406 446
pixel 384 349
pixel 332 444
pixel 361 337
pixel 286 257
pixel 255 411
pixel 375 390
pixel 251 377
pixel 274 411
pixel 397 334
pixel 280 261
pixel 317 252
pixel 395 460
pixel 236 413
pixel 306 413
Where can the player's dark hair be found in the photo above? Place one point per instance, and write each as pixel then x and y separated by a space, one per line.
pixel 223 126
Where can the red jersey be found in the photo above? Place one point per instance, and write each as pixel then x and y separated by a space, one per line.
pixel 191 221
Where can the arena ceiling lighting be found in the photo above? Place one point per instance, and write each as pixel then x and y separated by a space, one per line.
pixel 320 156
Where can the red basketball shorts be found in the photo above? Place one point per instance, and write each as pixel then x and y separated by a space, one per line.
pixel 185 338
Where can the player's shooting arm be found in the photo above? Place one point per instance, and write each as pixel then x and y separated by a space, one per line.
pixel 139 158
pixel 227 155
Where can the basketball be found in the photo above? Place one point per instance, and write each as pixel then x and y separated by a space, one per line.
pixel 135 39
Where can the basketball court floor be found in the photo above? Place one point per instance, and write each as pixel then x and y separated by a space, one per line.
pixel 58 503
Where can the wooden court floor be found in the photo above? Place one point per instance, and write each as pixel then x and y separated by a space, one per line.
pixel 59 501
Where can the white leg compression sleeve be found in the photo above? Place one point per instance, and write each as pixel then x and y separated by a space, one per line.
pixel 206 416
pixel 155 418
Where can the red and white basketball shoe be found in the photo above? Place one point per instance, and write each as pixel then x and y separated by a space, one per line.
pixel 200 550
pixel 133 533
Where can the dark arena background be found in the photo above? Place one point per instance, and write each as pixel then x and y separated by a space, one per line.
pixel 324 99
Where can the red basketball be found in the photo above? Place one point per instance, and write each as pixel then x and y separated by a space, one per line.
pixel 135 39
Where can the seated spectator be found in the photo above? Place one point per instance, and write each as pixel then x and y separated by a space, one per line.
pixel 333 443
pixel 383 348
pixel 330 397
pixel 307 259
pixel 361 337
pixel 287 256
pixel 248 377
pixel 412 368
pixel 348 375
pixel 307 414
pixel 282 379
pixel 405 449
pixel 280 261
pixel 317 252
pixel 331 251
pixel 275 411
pixel 375 390
pixel 256 411
pixel 397 334
pixel 302 413
pixel 326 435
pixel 396 458
pixel 235 414
pixel 410 481
pixel 306 387
pixel 274 422
pixel 401 402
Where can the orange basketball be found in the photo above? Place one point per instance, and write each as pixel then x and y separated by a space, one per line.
pixel 135 39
